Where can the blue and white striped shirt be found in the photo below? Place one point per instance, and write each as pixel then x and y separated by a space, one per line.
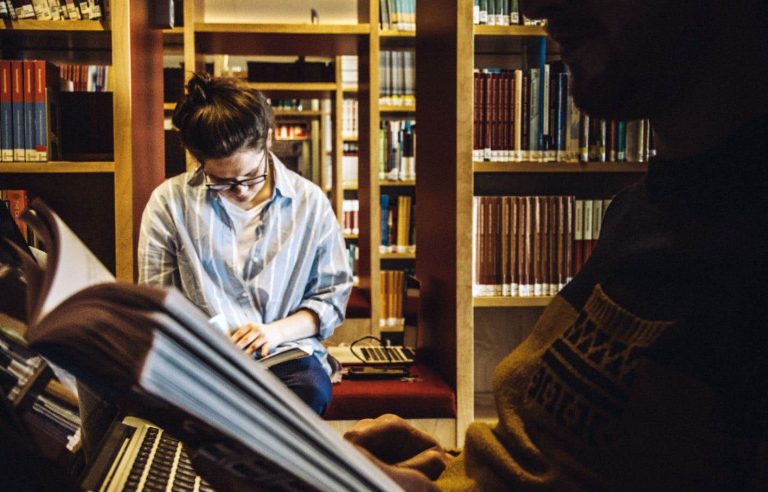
pixel 298 259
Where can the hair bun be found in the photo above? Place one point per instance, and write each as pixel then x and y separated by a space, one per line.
pixel 198 88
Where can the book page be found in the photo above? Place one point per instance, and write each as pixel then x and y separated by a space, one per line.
pixel 71 265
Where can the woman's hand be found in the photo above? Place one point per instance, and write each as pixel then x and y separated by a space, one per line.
pixel 256 336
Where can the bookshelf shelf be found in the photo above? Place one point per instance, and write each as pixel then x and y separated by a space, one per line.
pixel 520 31
pixel 398 256
pixel 302 114
pixel 169 106
pixel 404 182
pixel 508 301
pixel 254 28
pixel 350 236
pixel 559 167
pixel 57 167
pixel 398 109
pixel 392 33
pixel 68 25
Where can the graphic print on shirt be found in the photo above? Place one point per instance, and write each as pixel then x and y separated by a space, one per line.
pixel 583 379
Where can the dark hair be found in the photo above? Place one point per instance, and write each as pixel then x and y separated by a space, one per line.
pixel 220 116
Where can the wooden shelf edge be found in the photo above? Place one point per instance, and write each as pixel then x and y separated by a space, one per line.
pixel 394 33
pixel 51 25
pixel 397 256
pixel 293 86
pixel 57 167
pixel 254 28
pixel 559 167
pixel 484 30
pixel 397 109
pixel 404 182
pixel 304 114
pixel 509 301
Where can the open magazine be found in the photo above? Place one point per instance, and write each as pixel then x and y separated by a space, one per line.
pixel 155 354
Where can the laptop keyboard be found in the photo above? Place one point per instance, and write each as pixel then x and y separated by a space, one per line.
pixel 162 465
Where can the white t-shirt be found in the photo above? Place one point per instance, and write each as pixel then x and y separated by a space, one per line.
pixel 245 223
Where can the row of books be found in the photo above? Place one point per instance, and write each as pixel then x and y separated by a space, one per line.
pixel 529 115
pixel 293 131
pixel 397 150
pixel 397 77
pixel 393 293
pixel 399 15
pixel 54 9
pixel 85 78
pixel 532 245
pixel 501 13
pixel 397 224
pixel 29 126
pixel 351 216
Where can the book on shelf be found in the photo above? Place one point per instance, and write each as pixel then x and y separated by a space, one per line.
pixel 29 110
pixel 529 115
pixel 392 292
pixel 397 77
pixel 496 12
pixel 397 144
pixel 398 15
pixel 397 224
pixel 351 216
pixel 526 246
pixel 152 350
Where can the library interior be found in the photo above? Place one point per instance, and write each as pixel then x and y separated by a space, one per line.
pixel 449 228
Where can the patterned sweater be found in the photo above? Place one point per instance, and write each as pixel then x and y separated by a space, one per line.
pixel 649 371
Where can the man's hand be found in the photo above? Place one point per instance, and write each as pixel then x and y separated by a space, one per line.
pixel 256 336
pixel 395 442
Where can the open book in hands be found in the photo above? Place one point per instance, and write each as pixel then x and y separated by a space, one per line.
pixel 153 352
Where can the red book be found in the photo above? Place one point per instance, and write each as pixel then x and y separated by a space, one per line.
pixel 551 273
pixel 6 112
pixel 588 229
pixel 561 272
pixel 570 205
pixel 29 110
pixel 528 241
pixel 17 108
pixel 506 271
pixel 45 113
pixel 17 202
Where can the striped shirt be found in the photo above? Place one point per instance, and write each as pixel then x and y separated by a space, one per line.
pixel 298 259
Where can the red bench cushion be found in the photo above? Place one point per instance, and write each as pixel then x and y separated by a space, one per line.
pixel 427 397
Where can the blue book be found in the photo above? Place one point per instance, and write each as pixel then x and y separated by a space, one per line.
pixel 384 200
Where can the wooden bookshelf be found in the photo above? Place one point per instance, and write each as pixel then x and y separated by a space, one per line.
pixel 398 256
pixel 509 31
pixel 57 167
pixel 48 26
pixel 285 113
pixel 398 109
pixel 559 167
pixel 393 33
pixel 510 301
pixel 394 183
pixel 169 106
pixel 102 201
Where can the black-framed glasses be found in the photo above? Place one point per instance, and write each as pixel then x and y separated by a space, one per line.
pixel 230 185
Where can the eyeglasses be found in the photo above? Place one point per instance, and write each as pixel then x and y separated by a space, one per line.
pixel 230 185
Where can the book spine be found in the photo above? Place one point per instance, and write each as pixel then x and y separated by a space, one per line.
pixel 584 125
pixel 552 244
pixel 513 248
pixel 544 244
pixel 17 107
pixel 578 235
pixel 533 108
pixel 24 9
pixel 589 218
pixel 42 9
pixel 30 154
pixel 561 272
pixel 6 112
pixel 521 252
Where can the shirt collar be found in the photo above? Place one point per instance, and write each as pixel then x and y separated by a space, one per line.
pixel 283 183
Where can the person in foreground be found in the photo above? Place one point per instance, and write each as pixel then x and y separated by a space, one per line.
pixel 649 371
pixel 246 239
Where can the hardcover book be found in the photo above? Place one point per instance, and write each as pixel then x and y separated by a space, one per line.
pixel 154 353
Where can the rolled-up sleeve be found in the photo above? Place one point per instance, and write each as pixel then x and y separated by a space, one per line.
pixel 157 247
pixel 330 281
